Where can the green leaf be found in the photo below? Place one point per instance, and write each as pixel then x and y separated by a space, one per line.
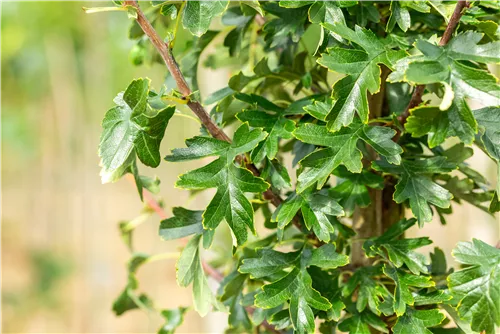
pixel 173 319
pixel 326 257
pixel 199 14
pixel 327 12
pixel 438 125
pixel 319 109
pixel 185 222
pixel 289 24
pixel 190 270
pixel 128 301
pixel 275 124
pixel 402 290
pixel 232 287
pixel 190 61
pixel 363 73
pixel 155 3
pixel 232 182
pixel 370 290
pixel 401 15
pixel 446 64
pixel 399 251
pixel 322 11
pixel 477 286
pixel 341 149
pixel 361 323
pixel 416 186
pixel 295 3
pixel 277 175
pixel 327 283
pixel 417 321
pixel 132 126
pixel 489 121
pixel 268 262
pixel 434 297
pixel 254 4
pixel 352 192
pixel 295 287
pixel 316 209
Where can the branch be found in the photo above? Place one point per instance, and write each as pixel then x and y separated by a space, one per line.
pixel 216 132
pixel 416 98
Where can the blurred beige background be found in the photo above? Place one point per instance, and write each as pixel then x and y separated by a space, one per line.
pixel 62 257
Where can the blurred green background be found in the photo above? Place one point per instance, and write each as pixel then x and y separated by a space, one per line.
pixel 62 256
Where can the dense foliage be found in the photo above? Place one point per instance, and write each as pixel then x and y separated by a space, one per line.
pixel 339 115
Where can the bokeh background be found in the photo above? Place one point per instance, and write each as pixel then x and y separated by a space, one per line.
pixel 63 261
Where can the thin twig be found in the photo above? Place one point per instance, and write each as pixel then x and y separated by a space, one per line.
pixel 416 98
pixel 166 54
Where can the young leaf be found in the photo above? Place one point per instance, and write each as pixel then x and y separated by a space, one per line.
pixel 132 126
pixel 477 286
pixel 341 148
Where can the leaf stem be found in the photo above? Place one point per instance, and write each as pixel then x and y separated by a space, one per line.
pixel 187 116
pixel 132 224
pixel 163 256
pixel 138 301
pixel 92 10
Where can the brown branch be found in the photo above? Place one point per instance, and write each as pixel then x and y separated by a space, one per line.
pixel 166 54
pixel 416 98
pixel 216 132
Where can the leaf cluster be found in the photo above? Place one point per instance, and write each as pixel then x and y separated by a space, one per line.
pixel 325 122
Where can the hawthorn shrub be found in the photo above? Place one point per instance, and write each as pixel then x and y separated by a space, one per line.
pixel 339 117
